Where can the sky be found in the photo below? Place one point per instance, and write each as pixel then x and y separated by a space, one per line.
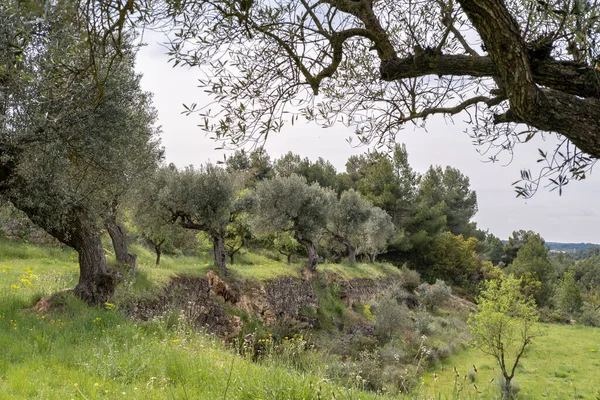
pixel 572 217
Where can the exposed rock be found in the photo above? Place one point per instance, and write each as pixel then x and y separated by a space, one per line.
pixel 361 289
pixel 221 288
pixel 204 300
pixel 194 300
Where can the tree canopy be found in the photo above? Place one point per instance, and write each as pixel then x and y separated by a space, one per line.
pixel 290 204
pixel 515 68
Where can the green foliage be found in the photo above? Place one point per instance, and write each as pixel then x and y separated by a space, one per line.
pixel 433 296
pixel 255 166
pixel 289 204
pixel 504 325
pixel 450 187
pixel 587 272
pixel 570 299
pixel 534 264
pixel 202 198
pixel 453 258
pixel 409 279
pixel 321 171
pixel 385 179
pixel 376 234
pixel 561 366
pixel 347 220
pixel 390 317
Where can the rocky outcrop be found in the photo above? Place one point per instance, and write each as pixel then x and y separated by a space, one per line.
pixel 284 297
pixel 207 301
pixel 194 301
pixel 361 289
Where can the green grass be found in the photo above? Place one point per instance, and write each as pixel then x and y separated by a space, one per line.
pixel 78 352
pixel 90 353
pixel 562 364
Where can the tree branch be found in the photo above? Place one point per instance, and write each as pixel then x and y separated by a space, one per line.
pixel 568 77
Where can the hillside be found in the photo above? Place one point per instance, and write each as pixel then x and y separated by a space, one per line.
pixel 570 247
pixel 79 352
pixel 352 332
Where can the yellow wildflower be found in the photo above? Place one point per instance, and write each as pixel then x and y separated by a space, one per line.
pixel 15 286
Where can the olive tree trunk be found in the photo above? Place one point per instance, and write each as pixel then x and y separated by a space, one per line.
pixel 220 253
pixel 507 389
pixel 118 236
pixel 351 252
pixel 158 250
pixel 313 257
pixel 96 284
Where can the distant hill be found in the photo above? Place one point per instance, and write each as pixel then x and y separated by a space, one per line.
pixel 570 247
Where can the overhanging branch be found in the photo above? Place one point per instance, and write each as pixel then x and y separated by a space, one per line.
pixel 568 77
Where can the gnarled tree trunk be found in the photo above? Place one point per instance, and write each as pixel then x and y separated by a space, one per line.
pixel 118 236
pixel 158 250
pixel 96 284
pixel 220 253
pixel 351 252
pixel 313 257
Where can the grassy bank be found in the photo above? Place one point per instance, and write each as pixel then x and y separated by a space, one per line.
pixel 92 353
pixel 78 352
pixel 564 363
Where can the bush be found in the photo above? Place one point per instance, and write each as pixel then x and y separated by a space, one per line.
pixel 432 296
pixel 515 388
pixel 390 317
pixel 409 279
pixel 424 323
pixel 590 316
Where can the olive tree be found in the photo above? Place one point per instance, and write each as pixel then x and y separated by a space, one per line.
pixel 347 219
pixel 65 150
pixel 152 221
pixel 513 68
pixel 289 204
pixel 376 233
pixel 203 199
pixel 504 325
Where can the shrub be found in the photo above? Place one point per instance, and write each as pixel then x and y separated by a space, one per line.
pixel 423 323
pixel 515 388
pixel 409 279
pixel 590 316
pixel 432 296
pixel 390 317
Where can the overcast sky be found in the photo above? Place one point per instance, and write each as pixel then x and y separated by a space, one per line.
pixel 572 217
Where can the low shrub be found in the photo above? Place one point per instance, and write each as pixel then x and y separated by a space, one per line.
pixel 390 317
pixel 432 296
pixel 409 279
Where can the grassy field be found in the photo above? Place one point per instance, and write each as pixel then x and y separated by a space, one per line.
pixel 90 353
pixel 564 363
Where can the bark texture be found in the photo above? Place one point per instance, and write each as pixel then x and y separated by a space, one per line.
pixel 546 109
pixel 313 257
pixel 96 284
pixel 220 253
pixel 351 252
pixel 118 236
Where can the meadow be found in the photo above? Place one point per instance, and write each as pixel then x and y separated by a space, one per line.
pixel 77 352
pixel 94 353
pixel 563 363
